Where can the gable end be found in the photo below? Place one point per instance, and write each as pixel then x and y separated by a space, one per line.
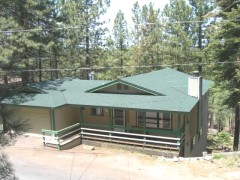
pixel 123 87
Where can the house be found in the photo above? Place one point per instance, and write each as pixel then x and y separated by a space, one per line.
pixel 164 109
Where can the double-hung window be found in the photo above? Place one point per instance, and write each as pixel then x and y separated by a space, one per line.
pixel 97 111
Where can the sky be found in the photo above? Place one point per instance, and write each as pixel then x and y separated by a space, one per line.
pixel 126 6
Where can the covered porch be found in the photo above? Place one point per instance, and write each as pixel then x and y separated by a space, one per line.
pixel 141 128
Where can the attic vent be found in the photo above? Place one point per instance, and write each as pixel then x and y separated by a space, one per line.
pixel 122 87
pixel 119 86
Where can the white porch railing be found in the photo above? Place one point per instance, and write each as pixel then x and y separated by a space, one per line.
pixel 59 137
pixel 160 142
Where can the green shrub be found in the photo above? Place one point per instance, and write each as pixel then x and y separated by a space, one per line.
pixel 210 137
pixel 217 156
pixel 222 139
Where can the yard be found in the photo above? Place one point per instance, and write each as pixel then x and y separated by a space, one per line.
pixel 32 161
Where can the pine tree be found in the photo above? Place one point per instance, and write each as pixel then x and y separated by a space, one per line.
pixel 85 43
pixel 224 48
pixel 146 36
pixel 120 33
pixel 180 48
pixel 200 9
pixel 29 44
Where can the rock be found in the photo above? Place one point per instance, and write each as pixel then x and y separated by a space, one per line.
pixel 90 148
pixel 207 158
pixel 204 153
pixel 181 159
pixel 175 159
pixel 212 131
pixel 162 158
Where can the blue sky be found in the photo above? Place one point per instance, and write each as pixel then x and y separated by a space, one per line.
pixel 126 6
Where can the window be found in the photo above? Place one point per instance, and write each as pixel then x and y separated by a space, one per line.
pixel 97 111
pixel 154 120
pixel 122 87
pixel 119 86
pixel 140 117
pixel 125 87
pixel 165 120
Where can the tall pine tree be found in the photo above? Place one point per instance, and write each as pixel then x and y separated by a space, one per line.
pixel 224 48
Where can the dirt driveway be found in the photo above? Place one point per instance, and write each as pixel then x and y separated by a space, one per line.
pixel 34 162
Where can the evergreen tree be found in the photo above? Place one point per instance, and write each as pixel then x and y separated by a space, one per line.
pixel 29 44
pixel 146 36
pixel 178 41
pixel 88 40
pixel 200 8
pixel 224 48
pixel 120 33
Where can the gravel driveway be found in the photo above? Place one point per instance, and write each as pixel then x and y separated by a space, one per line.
pixel 32 161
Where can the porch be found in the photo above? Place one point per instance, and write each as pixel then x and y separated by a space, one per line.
pixel 123 127
pixel 76 134
pixel 120 131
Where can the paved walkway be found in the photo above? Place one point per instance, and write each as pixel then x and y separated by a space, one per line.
pixel 32 161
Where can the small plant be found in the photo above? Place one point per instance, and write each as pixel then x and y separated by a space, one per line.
pixel 222 139
pixel 217 156
pixel 210 137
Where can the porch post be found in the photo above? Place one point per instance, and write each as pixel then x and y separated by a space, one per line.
pixel 52 117
pixel 81 116
pixel 184 122
pixel 110 119
pixel 144 122
pixel 179 118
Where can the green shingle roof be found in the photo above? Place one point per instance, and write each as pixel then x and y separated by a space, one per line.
pixel 171 83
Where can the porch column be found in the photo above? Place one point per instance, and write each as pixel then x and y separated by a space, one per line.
pixel 179 122
pixel 184 122
pixel 81 116
pixel 52 118
pixel 144 122
pixel 110 119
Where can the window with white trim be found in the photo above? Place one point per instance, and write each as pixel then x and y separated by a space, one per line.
pixel 140 118
pixel 154 120
pixel 97 111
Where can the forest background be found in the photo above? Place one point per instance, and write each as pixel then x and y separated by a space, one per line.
pixel 51 39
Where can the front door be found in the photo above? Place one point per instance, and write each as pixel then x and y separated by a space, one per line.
pixel 119 120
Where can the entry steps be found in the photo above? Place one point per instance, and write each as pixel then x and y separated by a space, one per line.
pixel 65 142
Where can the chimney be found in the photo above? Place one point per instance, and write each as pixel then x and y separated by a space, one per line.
pixel 91 75
pixel 195 85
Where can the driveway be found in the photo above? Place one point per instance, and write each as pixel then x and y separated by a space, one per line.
pixel 32 161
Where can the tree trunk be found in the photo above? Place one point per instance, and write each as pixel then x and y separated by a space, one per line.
pixel 200 45
pixel 39 65
pixel 87 56
pixel 121 59
pixel 236 132
pixel 211 120
pixel 4 123
pixel 55 63
pixel 5 78
pixel 25 74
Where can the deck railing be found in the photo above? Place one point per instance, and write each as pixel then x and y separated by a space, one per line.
pixel 160 142
pixel 57 137
pixel 138 130
pixel 100 134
